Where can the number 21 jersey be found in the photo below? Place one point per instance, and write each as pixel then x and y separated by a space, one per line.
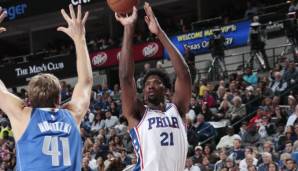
pixel 160 141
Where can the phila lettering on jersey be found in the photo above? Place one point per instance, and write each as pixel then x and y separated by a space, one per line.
pixel 160 140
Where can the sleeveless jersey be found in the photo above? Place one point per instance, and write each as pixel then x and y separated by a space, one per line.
pixel 51 142
pixel 160 141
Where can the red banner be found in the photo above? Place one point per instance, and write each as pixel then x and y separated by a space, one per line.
pixel 141 52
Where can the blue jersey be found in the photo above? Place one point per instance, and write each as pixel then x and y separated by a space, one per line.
pixel 51 142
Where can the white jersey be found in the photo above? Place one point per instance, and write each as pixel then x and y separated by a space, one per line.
pixel 160 141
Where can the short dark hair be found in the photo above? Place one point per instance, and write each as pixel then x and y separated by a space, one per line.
pixel 161 74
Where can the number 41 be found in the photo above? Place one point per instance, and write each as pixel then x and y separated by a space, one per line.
pixel 50 147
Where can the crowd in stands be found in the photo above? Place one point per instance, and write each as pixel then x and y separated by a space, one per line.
pixel 248 122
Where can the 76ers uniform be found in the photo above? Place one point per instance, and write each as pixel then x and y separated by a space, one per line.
pixel 160 141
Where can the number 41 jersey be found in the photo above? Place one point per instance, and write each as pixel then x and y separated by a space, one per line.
pixel 160 141
pixel 51 142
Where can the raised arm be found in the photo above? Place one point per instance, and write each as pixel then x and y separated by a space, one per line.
pixel 80 99
pixel 131 107
pixel 182 93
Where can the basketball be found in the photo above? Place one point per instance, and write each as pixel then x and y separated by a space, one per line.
pixel 122 6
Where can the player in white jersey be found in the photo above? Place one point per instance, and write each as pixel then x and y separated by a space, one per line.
pixel 157 128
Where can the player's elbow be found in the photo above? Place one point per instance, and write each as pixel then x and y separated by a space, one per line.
pixel 87 81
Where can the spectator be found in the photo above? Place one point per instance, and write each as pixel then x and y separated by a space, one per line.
pixel 283 160
pixel 221 163
pixel 189 166
pixel 237 111
pixel 198 156
pixel 278 85
pixel 295 152
pixel 224 108
pixel 291 165
pixel 251 136
pixel 249 77
pixel 209 153
pixel 204 129
pixel 249 160
pixel 98 123
pixel 228 140
pixel 237 153
pixel 293 117
pixel 110 121
pixel 206 165
pixel 267 160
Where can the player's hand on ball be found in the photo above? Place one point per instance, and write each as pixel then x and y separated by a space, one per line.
pixel 151 20
pixel 76 24
pixel 126 20
pixel 3 14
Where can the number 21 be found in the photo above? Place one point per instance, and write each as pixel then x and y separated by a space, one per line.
pixel 167 139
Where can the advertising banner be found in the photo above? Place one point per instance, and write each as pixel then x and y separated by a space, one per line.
pixel 17 9
pixel 17 75
pixel 141 52
pixel 236 34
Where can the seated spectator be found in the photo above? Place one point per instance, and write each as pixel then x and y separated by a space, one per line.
pixel 289 147
pixel 209 99
pixel 283 158
pixel 278 85
pixel 291 165
pixel 203 129
pixel 267 162
pixel 237 153
pixel 295 152
pixel 206 165
pixel 228 140
pixel 206 111
pixel 125 159
pixel 290 75
pixel 292 102
pixel 237 111
pixel 98 123
pixel 224 108
pixel 248 161
pixel 293 117
pixel 198 156
pixel 110 121
pixel 209 153
pixel 279 115
pixel 230 164
pixel 269 148
pixel 251 136
pixel 223 155
pixel 221 91
pixel 249 77
pixel 189 166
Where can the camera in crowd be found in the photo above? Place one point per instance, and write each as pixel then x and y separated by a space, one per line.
pixel 257 39
pixel 217 41
pixel 290 25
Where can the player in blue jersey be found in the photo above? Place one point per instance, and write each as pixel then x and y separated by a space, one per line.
pixel 156 128
pixel 47 136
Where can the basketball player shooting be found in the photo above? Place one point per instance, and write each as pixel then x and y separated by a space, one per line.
pixel 156 128
pixel 47 136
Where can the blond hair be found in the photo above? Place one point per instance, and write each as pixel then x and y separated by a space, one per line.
pixel 44 91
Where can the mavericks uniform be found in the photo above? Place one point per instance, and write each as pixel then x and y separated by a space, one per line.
pixel 51 142
pixel 160 141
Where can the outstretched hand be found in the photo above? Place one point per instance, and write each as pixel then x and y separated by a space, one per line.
pixel 128 19
pixel 3 14
pixel 76 24
pixel 151 20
